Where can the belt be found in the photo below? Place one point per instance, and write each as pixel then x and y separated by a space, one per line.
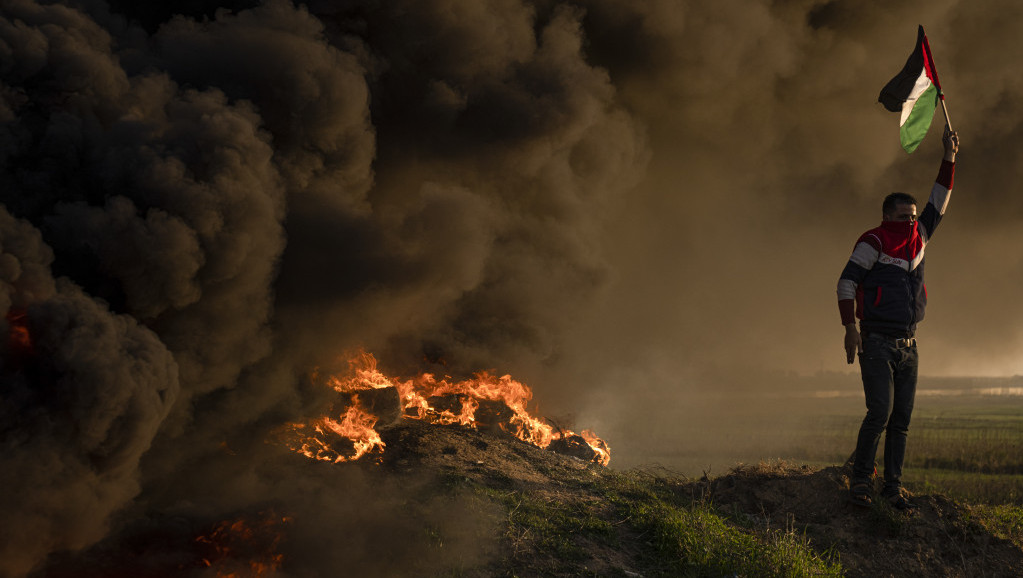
pixel 900 342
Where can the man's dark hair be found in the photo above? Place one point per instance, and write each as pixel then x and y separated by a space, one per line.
pixel 888 206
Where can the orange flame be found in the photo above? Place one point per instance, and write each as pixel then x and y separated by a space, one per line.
pixel 419 397
pixel 363 368
pixel 599 446
pixel 18 334
pixel 356 425
pixel 417 392
pixel 245 548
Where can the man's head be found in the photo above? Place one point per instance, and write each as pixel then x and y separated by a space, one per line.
pixel 898 207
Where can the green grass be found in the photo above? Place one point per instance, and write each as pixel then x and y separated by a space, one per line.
pixel 554 526
pixel 692 538
pixel 1005 522
pixel 698 541
pixel 659 530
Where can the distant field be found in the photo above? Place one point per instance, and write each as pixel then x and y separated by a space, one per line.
pixel 966 446
pixel 965 440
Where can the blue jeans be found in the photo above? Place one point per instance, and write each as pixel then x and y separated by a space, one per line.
pixel 889 386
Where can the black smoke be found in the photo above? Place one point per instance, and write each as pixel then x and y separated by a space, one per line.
pixel 202 201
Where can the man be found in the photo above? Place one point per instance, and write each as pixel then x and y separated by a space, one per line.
pixel 883 286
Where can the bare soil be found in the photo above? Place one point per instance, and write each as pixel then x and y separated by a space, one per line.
pixel 939 538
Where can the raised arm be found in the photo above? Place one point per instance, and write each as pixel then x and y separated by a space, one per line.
pixel 951 141
pixel 931 215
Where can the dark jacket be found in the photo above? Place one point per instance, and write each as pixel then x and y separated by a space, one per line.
pixel 883 282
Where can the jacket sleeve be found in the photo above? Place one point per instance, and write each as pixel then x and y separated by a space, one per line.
pixel 938 201
pixel 863 257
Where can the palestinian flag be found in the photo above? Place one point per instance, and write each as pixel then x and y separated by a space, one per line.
pixel 915 93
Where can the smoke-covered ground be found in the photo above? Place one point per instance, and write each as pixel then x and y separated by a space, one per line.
pixel 618 203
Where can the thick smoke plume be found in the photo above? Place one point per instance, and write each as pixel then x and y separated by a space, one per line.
pixel 201 202
pixel 199 209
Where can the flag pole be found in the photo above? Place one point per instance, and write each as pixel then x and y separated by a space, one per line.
pixel 929 62
pixel 948 123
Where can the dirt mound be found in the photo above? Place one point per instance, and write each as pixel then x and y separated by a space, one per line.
pixel 447 500
pixel 938 539
pixel 486 457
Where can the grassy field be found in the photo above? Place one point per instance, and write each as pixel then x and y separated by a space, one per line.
pixel 967 447
pixel 965 440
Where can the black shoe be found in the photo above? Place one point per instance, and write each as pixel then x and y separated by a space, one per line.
pixel 859 495
pixel 900 503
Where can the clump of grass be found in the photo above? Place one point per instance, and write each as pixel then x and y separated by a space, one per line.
pixel 696 541
pixel 659 529
pixel 551 534
pixel 1004 521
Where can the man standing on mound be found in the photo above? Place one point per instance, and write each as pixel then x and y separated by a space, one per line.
pixel 883 286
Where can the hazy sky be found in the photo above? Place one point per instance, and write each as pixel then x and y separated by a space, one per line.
pixel 770 155
pixel 599 197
